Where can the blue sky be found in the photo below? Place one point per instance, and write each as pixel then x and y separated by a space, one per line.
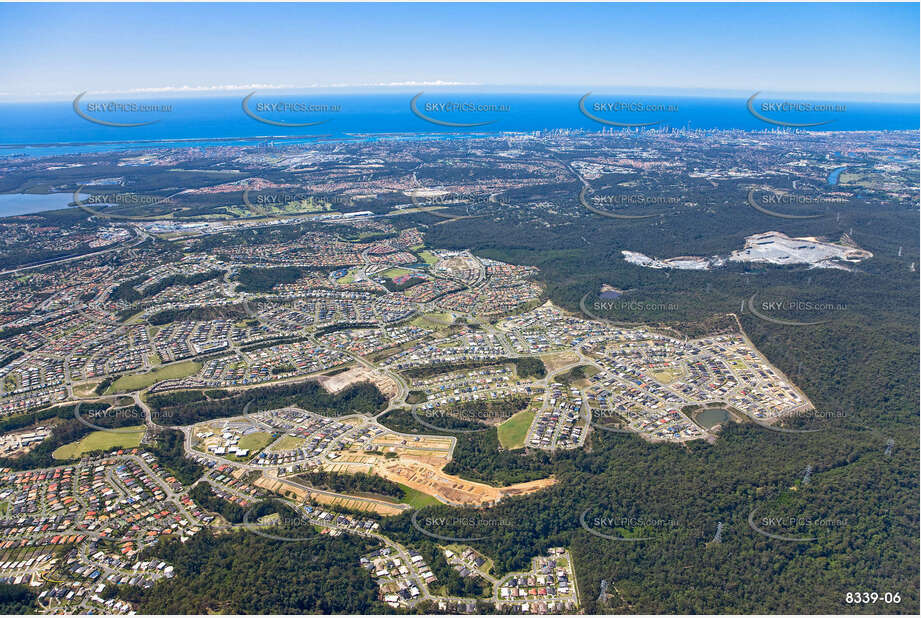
pixel 58 51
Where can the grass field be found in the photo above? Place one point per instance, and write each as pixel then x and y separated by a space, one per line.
pixel 136 318
pixel 286 443
pixel 101 440
pixel 513 431
pixel 428 257
pixel 416 397
pixel 665 376
pixel 393 273
pixel 349 277
pixel 86 390
pixel 572 376
pixel 137 381
pixel 416 499
pixel 459 549
pixel 432 319
pixel 255 441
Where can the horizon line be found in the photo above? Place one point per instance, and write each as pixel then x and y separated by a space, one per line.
pixel 228 91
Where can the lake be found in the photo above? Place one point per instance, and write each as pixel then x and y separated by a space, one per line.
pixel 711 416
pixel 23 204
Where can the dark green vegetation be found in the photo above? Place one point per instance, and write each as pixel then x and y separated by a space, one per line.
pixel 493 410
pixel 477 455
pixel 860 367
pixel 454 583
pixel 205 497
pixel 259 236
pixel 12 331
pixel 167 446
pixel 424 372
pixel 268 343
pixel 198 314
pixel 264 279
pixel 22 252
pixel 10 423
pixel 127 291
pixel 704 485
pixel 415 397
pixel 530 367
pixel 244 573
pixel 573 375
pixel 67 430
pixel 392 286
pixel 103 385
pixel 362 398
pixel 332 328
pixel 16 599
pixel 174 398
pixel 9 358
pixel 353 483
pixel 527 366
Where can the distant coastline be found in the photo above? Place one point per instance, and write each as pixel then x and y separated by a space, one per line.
pixel 50 128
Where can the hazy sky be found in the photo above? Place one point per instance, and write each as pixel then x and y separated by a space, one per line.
pixel 60 50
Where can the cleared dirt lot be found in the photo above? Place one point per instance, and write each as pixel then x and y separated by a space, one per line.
pixel 358 503
pixel 340 381
pixel 416 461
pixel 453 489
pixel 557 360
pixel 419 464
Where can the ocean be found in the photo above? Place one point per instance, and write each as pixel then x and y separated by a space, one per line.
pixel 48 128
